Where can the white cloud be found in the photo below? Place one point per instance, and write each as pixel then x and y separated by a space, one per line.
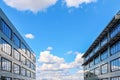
pixel 29 36
pixel 49 48
pixel 77 3
pixel 55 68
pixel 31 5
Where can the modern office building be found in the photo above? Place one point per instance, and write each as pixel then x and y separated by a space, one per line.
pixel 17 60
pixel 102 59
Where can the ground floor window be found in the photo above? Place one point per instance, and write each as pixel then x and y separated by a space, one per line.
pixel 115 78
pixel 5 78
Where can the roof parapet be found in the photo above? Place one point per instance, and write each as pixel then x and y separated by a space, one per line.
pixel 117 16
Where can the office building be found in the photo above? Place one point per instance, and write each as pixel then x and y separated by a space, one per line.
pixel 102 59
pixel 17 60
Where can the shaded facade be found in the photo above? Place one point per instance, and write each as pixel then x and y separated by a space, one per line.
pixel 102 59
pixel 17 60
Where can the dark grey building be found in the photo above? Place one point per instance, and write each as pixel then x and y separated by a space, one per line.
pixel 17 60
pixel 102 59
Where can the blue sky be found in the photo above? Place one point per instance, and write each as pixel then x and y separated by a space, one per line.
pixel 61 29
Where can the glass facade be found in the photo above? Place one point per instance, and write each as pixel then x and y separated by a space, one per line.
pixel 6 65
pixel 16 54
pixel 23 59
pixel 115 48
pixel 16 69
pixel 97 71
pixel 97 60
pixel 104 41
pixel 5 78
pixel 28 63
pixel 115 31
pixel 115 78
pixel 6 47
pixel 16 40
pixel 16 58
pixel 23 47
pixel 115 64
pixel 104 55
pixel 104 68
pixel 6 29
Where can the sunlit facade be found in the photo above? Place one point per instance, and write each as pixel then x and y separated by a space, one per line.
pixel 17 60
pixel 102 59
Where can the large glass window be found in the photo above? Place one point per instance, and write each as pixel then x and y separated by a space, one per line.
pixel 5 78
pixel 28 53
pixel 6 47
pixel 115 78
pixel 97 71
pixel 104 68
pixel 6 65
pixel 91 63
pixel 16 40
pixel 104 55
pixel 32 75
pixel 16 54
pixel 115 64
pixel 115 48
pixel 6 29
pixel 28 73
pixel 104 41
pixel 23 71
pixel 16 69
pixel 28 63
pixel 23 59
pixel 91 73
pixel 96 48
pixel 32 66
pixel 115 31
pixel 23 47
pixel 97 60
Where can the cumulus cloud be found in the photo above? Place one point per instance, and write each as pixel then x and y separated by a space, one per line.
pixel 31 5
pixel 77 3
pixel 55 68
pixel 29 36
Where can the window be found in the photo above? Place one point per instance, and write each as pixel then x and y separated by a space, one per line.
pixel 6 64
pixel 6 47
pixel 6 29
pixel 28 73
pixel 96 48
pixel 115 48
pixel 16 79
pixel 104 55
pixel 32 66
pixel 16 54
pixel 28 53
pixel 97 71
pixel 104 68
pixel 16 40
pixel 115 78
pixel 28 63
pixel 91 63
pixel 97 60
pixel 23 47
pixel 91 74
pixel 104 41
pixel 104 79
pixel 16 69
pixel 23 59
pixel 23 71
pixel 32 75
pixel 5 78
pixel 115 64
pixel 115 31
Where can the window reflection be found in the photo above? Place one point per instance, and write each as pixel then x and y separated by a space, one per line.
pixel 115 64
pixel 16 54
pixel 104 68
pixel 16 68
